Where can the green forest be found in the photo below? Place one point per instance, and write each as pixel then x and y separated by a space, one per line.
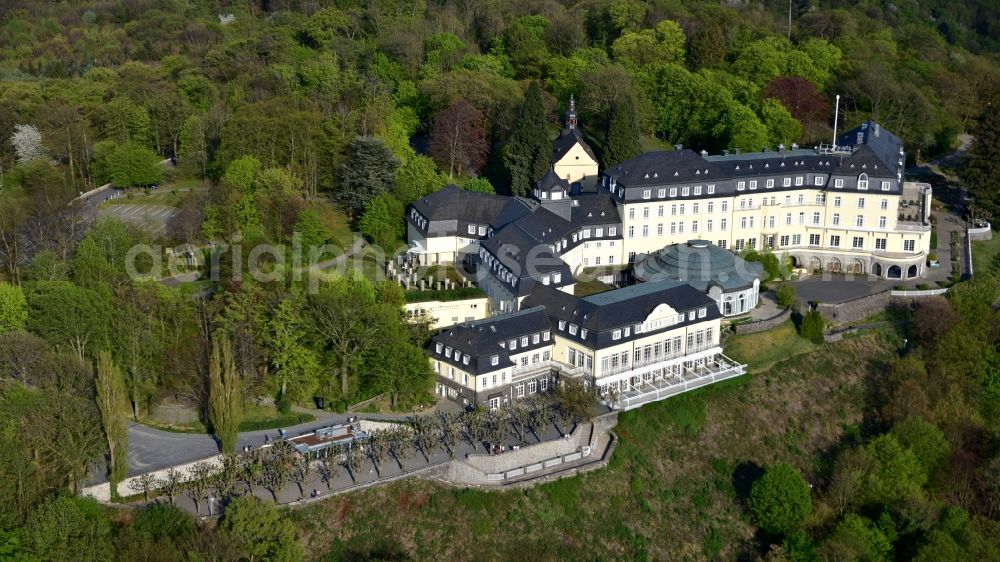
pixel 299 122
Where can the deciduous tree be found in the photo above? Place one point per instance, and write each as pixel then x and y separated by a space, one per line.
pixel 458 138
pixel 780 500
pixel 260 531
pixel 13 308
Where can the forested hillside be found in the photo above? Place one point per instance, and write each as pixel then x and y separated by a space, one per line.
pixel 294 123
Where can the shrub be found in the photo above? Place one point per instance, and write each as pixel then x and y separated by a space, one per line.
pixel 780 500
pixel 811 327
pixel 785 295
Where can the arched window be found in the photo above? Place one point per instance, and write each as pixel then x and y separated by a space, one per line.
pixel 863 181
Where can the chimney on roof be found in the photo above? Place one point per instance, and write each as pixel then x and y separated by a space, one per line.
pixel 737 151
pixel 704 152
pixel 678 147
pixel 795 146
pixel 781 148
pixel 725 152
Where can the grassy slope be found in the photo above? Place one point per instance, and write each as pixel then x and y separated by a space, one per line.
pixel 668 493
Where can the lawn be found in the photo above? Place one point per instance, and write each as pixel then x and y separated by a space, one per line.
pixel 984 252
pixel 760 351
pixel 671 492
pixel 585 288
pixel 254 417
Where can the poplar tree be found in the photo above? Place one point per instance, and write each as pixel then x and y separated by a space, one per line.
pixel 981 172
pixel 112 401
pixel 225 402
pixel 623 133
pixel 526 154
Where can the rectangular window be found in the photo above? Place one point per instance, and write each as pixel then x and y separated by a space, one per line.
pixel 543 383
pixel 786 182
pixel 884 205
pixel 880 244
pixel 536 338
pixel 770 183
pixel 799 180
pixel 859 221
pixel 646 194
pixel 741 185
pixel 661 193
pixel 673 192
pixel 673 228
pixel 788 218
pixel 673 210
pixel 495 360
pixel 519 390
pixel 909 245
pixel 861 202
pixel 645 212
pixel 532 387
pixel 708 225
pixel 659 229
pixel 753 184
pixel 881 222
pixel 885 186
pixel 739 244
pixel 631 213
pixel 710 189
pixel 694 226
pixel 724 206
pixel 645 230
pixel 616 335
pixel 659 211
pixel 836 202
pixel 783 241
pixel 697 190
pixel 836 219
pixel 723 224
pixel 839 182
pixel 680 209
pixel 814 239
pixel 722 244
pixel 796 240
pixel 685 191
pixel 818 180
pixel 710 207
pixel 862 184
pixel 858 243
pixel 631 232
pixel 472 229
pixel 835 241
pixel 597 260
pixel 769 241
pixel 694 208
pixel 816 218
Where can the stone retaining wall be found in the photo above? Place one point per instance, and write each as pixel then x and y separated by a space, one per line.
pixel 977 234
pixel 102 490
pixel 766 324
pixel 529 454
pixel 854 310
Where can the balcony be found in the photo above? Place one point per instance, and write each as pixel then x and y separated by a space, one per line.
pixel 718 369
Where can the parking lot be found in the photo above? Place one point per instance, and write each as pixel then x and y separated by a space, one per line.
pixel 152 217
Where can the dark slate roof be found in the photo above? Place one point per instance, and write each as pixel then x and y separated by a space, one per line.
pixel 663 167
pixel 602 313
pixel 528 258
pixel 885 146
pixel 594 208
pixel 482 339
pixel 568 138
pixel 450 210
pixel 552 182
pixel 700 264
pixel 452 203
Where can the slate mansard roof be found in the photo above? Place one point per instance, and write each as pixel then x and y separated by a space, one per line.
pixel 868 149
pixel 473 344
pixel 600 315
pixel 470 346
pixel 450 210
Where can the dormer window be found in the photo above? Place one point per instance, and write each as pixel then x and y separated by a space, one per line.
pixel 685 191
pixel 697 190
pixel 495 360
pixel 702 312
pixel 646 193
pixel 662 192
pixel 465 360
pixel 545 280
pixel 583 333
pixel 447 352
pixel 546 335
pixel 557 277
pixel 545 195
pixel 885 186
pixel 711 189
pixel 573 329
pixel 839 182
pixel 512 345
pixel 863 181
pixel 628 331
pixel 562 325
pixel 616 335
pixel 741 185
pixel 535 338
pixel 673 192
pixel 472 229
pixel 691 316
pixel 524 341
pixel 438 347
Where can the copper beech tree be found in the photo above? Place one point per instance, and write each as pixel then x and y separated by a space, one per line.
pixel 458 138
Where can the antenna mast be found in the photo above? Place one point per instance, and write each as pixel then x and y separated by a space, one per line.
pixel 836 115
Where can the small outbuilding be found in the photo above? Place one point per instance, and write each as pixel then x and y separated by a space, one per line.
pixel 732 282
